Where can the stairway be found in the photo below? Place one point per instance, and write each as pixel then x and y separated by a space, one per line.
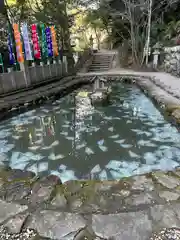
pixel 101 62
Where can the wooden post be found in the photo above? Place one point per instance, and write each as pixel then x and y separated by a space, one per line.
pixel 24 69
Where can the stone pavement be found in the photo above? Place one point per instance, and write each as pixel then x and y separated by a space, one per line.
pixel 168 82
pixel 141 207
pixel 138 208
pixel 162 87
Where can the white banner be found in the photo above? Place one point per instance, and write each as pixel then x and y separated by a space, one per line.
pixel 27 46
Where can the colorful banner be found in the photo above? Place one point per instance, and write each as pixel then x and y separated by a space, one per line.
pixel 10 50
pixel 36 48
pixel 17 37
pixel 27 46
pixel 49 42
pixel 1 62
pixel 54 42
pixel 44 43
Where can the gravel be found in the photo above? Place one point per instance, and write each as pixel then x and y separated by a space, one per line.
pixel 167 234
pixel 27 234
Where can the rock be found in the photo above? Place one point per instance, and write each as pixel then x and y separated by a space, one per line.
pixel 163 216
pixel 140 199
pixel 173 61
pixel 43 188
pixel 15 191
pixel 85 234
pixel 142 183
pixel 169 196
pixel 125 193
pixel 14 225
pixel 176 115
pixel 59 201
pixel 166 180
pixel 105 186
pixel 72 187
pixel 176 207
pixel 15 184
pixel 171 107
pixel 99 97
pixel 10 209
pixel 19 175
pixel 76 204
pixel 56 225
pixel 121 226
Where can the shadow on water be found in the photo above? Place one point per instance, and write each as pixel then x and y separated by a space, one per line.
pixel 75 141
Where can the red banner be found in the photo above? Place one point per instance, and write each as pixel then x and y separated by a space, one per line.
pixel 36 47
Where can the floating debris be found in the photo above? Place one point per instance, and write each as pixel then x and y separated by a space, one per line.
pixel 34 148
pixel 103 148
pixel 55 143
pixel 126 145
pixel 80 146
pixel 120 141
pixel 100 142
pixel 114 136
pixel 16 137
pixel 64 133
pixel 52 156
pixel 89 151
pixel 70 138
pixel 133 155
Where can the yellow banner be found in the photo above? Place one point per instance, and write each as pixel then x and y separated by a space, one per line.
pixel 17 36
pixel 54 41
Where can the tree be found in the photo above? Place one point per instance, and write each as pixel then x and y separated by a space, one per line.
pixel 135 18
pixel 56 12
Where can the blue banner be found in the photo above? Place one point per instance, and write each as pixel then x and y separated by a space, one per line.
pixel 49 42
pixel 10 49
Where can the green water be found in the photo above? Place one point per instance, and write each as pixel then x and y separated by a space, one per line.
pixel 125 138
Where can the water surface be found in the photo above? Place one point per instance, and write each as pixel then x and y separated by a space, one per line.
pixel 75 141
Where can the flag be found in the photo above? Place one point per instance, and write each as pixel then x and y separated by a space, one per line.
pixel 1 62
pixel 36 47
pixel 27 46
pixel 49 41
pixel 54 42
pixel 1 59
pixel 10 47
pixel 17 36
pixel 44 43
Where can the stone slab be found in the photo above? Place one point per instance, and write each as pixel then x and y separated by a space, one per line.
pixel 56 225
pixel 8 210
pixel 129 226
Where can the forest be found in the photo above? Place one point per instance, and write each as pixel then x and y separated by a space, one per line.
pixel 136 24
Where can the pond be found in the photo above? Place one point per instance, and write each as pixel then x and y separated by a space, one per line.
pixel 127 137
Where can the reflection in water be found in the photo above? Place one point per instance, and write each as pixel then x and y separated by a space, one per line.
pixel 74 140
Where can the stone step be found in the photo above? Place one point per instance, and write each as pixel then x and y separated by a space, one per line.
pixel 100 65
pixel 100 59
pixel 98 70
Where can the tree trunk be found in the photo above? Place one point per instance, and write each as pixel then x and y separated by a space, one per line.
pixel 97 37
pixel 68 48
pixel 149 29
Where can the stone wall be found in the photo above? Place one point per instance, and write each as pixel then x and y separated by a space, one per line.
pixel 83 59
pixel 170 59
pixel 33 75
